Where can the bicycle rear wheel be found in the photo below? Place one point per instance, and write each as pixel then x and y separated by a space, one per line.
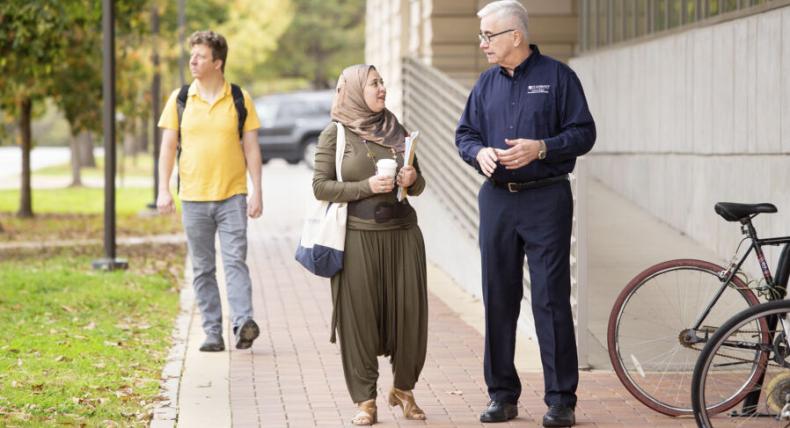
pixel 746 344
pixel 651 346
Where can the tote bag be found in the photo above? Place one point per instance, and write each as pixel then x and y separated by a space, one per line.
pixel 323 239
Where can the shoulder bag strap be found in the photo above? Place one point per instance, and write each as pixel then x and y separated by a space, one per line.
pixel 340 149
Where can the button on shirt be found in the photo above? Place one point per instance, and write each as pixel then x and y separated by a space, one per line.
pixel 543 100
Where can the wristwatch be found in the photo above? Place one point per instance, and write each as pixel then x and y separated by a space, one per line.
pixel 542 151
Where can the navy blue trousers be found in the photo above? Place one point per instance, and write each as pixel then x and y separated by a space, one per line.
pixel 536 222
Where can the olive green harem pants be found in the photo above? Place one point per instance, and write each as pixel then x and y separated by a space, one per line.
pixel 381 307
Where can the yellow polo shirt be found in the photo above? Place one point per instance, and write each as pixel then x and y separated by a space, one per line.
pixel 212 165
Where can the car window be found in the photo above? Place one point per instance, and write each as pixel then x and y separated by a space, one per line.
pixel 292 110
pixel 267 112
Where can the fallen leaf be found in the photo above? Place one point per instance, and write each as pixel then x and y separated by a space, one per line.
pixel 67 309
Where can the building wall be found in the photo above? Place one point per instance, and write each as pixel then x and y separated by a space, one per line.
pixel 443 33
pixel 386 41
pixel 694 118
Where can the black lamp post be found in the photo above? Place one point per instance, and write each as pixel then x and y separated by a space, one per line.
pixel 156 89
pixel 109 262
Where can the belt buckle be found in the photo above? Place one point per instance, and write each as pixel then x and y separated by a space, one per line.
pixel 511 188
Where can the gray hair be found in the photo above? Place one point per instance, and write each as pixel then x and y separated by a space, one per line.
pixel 507 9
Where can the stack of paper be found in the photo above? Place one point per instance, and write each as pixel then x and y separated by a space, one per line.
pixel 408 158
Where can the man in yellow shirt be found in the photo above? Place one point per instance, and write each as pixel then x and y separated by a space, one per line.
pixel 212 164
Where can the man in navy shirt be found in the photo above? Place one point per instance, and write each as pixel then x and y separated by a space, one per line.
pixel 524 124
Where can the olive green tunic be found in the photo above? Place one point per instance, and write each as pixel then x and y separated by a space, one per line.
pixel 379 298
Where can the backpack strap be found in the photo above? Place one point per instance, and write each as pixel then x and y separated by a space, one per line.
pixel 241 110
pixel 181 104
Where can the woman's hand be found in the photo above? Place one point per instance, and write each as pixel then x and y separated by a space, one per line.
pixel 381 184
pixel 407 176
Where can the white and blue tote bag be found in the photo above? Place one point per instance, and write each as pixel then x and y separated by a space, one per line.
pixel 324 232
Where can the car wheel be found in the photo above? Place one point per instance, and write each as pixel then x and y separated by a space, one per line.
pixel 308 154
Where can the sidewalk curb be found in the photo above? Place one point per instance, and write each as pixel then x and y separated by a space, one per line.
pixel 166 413
pixel 172 238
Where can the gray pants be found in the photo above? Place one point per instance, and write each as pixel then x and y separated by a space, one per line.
pixel 202 221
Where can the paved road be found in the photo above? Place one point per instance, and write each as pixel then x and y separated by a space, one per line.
pixel 40 157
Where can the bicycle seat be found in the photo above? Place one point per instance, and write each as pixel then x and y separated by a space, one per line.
pixel 732 211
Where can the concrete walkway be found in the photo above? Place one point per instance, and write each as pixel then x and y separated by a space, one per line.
pixel 292 376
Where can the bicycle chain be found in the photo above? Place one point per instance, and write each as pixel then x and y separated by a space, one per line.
pixel 770 363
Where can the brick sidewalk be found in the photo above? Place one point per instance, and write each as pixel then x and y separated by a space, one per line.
pixel 292 377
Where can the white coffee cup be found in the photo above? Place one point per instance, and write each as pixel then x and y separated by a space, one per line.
pixel 386 167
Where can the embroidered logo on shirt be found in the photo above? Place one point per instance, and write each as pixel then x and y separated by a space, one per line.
pixel 538 89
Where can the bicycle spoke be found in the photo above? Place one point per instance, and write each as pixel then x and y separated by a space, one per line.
pixel 736 357
pixel 654 351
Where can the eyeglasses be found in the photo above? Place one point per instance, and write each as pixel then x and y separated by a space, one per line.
pixel 486 38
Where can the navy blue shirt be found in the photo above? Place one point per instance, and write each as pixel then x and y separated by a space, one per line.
pixel 543 100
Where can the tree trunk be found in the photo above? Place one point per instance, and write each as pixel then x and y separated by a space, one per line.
pixel 129 141
pixel 143 143
pixel 76 177
pixel 26 143
pixel 87 160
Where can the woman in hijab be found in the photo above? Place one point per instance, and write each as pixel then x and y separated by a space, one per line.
pixel 379 298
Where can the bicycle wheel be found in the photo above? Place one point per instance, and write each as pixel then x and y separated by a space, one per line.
pixel 651 346
pixel 752 342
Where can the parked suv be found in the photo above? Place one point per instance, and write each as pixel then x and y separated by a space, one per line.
pixel 291 123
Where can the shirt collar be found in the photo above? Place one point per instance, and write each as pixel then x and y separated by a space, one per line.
pixel 193 90
pixel 522 68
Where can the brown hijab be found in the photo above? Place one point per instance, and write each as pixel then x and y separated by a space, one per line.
pixel 349 108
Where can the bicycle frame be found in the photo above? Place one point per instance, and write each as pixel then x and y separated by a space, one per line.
pixel 778 288
pixel 783 268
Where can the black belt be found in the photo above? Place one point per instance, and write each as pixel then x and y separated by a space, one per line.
pixel 517 186
pixel 380 212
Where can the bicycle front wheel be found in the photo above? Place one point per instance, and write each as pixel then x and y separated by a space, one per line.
pixel 753 341
pixel 651 344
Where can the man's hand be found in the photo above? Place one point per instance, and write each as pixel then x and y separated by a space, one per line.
pixel 164 202
pixel 255 205
pixel 406 176
pixel 487 159
pixel 522 152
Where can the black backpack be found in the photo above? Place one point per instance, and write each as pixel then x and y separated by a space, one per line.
pixel 181 104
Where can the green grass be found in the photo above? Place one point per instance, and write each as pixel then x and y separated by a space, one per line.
pixel 141 165
pixel 76 213
pixel 79 200
pixel 80 347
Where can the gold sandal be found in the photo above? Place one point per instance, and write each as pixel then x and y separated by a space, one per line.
pixel 405 399
pixel 367 413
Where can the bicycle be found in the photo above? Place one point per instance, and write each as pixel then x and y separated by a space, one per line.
pixel 753 341
pixel 666 314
